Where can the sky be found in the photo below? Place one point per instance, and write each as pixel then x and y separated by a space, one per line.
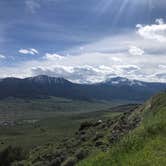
pixel 83 41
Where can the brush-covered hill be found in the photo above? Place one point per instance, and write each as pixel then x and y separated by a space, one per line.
pixel 135 137
pixel 143 146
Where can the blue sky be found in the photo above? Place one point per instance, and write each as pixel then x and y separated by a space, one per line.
pixel 83 41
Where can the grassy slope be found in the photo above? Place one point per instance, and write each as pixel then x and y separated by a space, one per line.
pixel 57 118
pixel 71 145
pixel 15 109
pixel 145 146
pixel 48 130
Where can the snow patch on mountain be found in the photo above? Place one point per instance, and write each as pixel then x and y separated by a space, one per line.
pixel 123 81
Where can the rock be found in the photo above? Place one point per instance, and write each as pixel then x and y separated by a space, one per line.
pixel 97 123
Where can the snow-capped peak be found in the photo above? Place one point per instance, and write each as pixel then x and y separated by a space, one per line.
pixel 123 81
pixel 47 79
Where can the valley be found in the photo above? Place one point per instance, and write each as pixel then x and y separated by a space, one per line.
pixel 34 122
pixel 65 132
pixel 57 131
pixel 27 109
pixel 82 83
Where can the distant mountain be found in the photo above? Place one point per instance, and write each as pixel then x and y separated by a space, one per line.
pixel 123 81
pixel 42 86
pixel 45 80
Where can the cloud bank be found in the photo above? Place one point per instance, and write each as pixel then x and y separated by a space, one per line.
pixel 136 55
pixel 2 56
pixel 155 31
pixel 133 50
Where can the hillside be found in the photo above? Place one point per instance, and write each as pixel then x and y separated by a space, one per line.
pixel 45 120
pixel 49 136
pixel 145 145
pixel 42 86
pixel 136 137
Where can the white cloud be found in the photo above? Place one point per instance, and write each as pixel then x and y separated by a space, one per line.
pixel 79 74
pixel 133 50
pixel 161 75
pixel 93 67
pixel 34 51
pixel 2 56
pixel 155 31
pixel 49 56
pixel 23 51
pixel 105 58
pixel 31 51
pixel 116 59
pixel 159 21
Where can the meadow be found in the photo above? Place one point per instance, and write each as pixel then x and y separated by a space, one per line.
pixel 34 122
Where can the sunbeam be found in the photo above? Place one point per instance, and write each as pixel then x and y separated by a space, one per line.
pixel 104 5
pixel 121 8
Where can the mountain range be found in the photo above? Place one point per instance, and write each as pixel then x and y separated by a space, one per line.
pixel 42 86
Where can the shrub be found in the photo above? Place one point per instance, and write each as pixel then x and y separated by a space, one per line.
pixel 81 154
pixel 85 125
pixel 11 154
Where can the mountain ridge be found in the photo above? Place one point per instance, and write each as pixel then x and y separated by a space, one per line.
pixel 117 88
pixel 115 79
